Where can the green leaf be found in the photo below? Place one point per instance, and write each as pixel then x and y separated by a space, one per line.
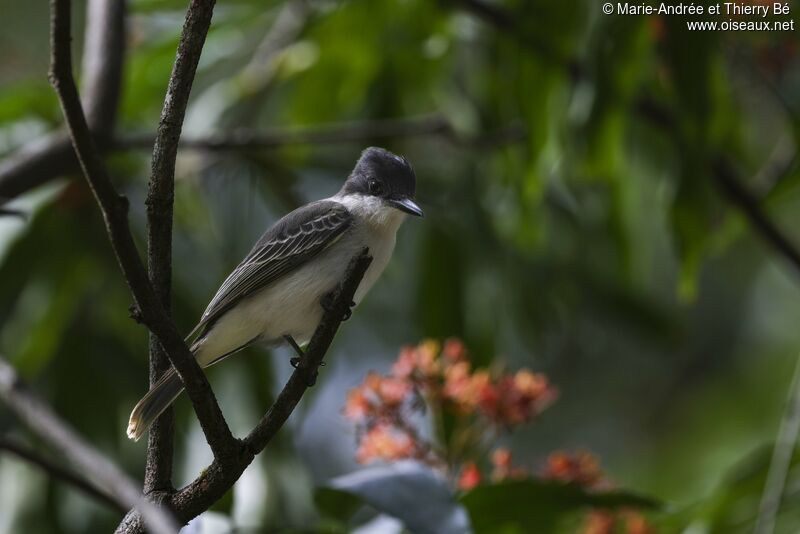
pixel 538 506
pixel 409 491
pixel 336 504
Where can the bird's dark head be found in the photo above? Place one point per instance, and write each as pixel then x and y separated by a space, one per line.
pixel 379 173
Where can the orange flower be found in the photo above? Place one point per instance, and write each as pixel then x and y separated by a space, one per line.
pixel 393 391
pixel 635 523
pixel 458 387
pixel 604 521
pixel 385 442
pixel 357 407
pixel 443 375
pixel 501 458
pixel 530 384
pixel 485 392
pixel 470 476
pixel 454 350
pixel 599 522
pixel 377 396
pixel 515 399
pixel 406 363
pixel 503 466
pixel 581 468
pixel 418 362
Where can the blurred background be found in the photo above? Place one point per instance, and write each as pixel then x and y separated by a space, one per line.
pixel 574 226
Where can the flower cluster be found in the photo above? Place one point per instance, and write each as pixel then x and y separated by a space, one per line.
pixel 583 469
pixel 623 521
pixel 476 404
pixel 442 376
pixel 502 469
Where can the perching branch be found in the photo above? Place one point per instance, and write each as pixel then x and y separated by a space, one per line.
pixel 160 194
pixel 231 457
pixel 37 416
pixel 57 472
pixel 115 212
pixel 52 156
pixel 219 477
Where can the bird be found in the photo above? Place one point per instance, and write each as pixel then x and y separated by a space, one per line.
pixel 277 293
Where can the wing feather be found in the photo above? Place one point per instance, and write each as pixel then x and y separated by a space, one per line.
pixel 293 240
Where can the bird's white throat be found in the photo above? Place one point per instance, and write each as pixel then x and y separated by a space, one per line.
pixel 372 211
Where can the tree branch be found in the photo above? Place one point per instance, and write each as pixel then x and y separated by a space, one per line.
pixel 103 55
pixel 42 421
pixel 736 192
pixel 52 156
pixel 115 213
pixel 506 22
pixel 219 477
pixel 160 195
pixel 349 132
pixel 57 472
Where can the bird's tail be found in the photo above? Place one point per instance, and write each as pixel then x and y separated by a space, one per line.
pixel 160 396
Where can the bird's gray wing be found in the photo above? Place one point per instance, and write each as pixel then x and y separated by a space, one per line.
pixel 292 241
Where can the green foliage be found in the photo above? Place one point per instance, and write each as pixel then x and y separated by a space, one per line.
pixel 539 506
pixel 593 247
pixel 337 505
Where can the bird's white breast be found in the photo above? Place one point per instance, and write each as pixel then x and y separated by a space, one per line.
pixel 291 305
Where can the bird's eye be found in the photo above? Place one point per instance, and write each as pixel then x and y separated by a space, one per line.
pixel 375 187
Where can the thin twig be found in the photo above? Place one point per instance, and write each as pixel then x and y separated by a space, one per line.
pixel 37 416
pixel 738 194
pixel 57 472
pixel 220 476
pixel 115 213
pixel 506 22
pixel 160 194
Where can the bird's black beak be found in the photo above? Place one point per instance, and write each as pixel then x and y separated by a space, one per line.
pixel 407 205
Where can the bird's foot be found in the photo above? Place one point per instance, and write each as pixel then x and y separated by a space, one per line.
pixel 295 361
pixel 292 343
pixel 327 304
pixel 312 379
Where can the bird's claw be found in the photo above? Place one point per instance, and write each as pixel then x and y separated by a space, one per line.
pixel 327 304
pixel 327 301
